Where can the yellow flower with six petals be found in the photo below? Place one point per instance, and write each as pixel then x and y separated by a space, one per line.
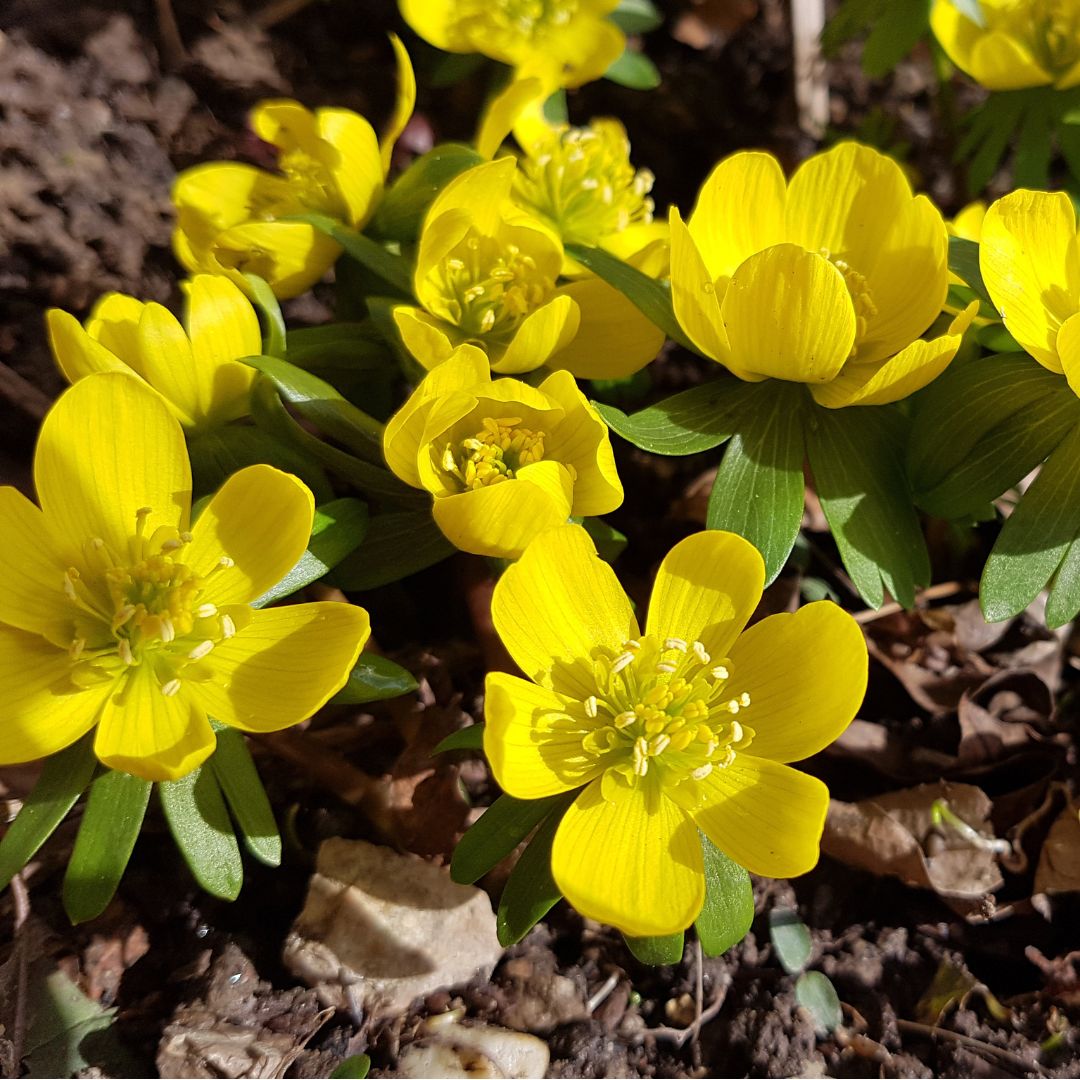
pixel 686 725
pixel 829 281
pixel 503 460
pixel 118 613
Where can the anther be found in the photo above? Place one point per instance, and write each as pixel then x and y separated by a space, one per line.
pixel 665 668
pixel 206 611
pixel 621 662
pixel 200 650
pixel 168 631
pixel 124 649
pixel 744 700
pixel 721 672
pixel 658 744
pixel 75 649
pixel 226 562
pixel 736 731
pixel 675 643
pixel 701 653
pixel 228 627
pixel 702 771
pixel 171 688
pixel 591 707
pixel 625 719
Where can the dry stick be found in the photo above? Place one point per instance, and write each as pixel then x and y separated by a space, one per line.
pixel 679 1035
pixel 24 395
pixel 172 44
pixel 1006 1057
pixel 278 11
pixel 22 912
pixel 811 78
pixel 935 592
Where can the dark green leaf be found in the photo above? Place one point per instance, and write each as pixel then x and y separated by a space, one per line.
pixel 728 910
pixel 498 830
pixel 396 546
pixel 791 939
pixel 816 993
pixel 466 738
pixel 555 109
pixel 352 356
pixel 337 530
pixel 267 305
pixel 374 678
pixel 610 543
pixel 964 263
pixel 110 826
pixel 1064 599
pixel 200 825
pixel 243 790
pixel 990 129
pixel 64 777
pixel 895 32
pixel 353 1068
pixel 636 16
pixel 997 339
pixel 1034 146
pixel 759 486
pixel 656 951
pixel 855 456
pixel 634 70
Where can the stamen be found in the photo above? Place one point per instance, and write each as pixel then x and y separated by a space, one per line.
pixel 675 643
pixel 206 611
pixel 591 707
pixel 720 672
pixel 621 662
pixel 666 667
pixel 226 563
pixel 200 650
pixel 701 653
pixel 702 771
pixel 124 649
pixel 736 731
pixel 625 719
pixel 171 688
pixel 228 627
pixel 168 631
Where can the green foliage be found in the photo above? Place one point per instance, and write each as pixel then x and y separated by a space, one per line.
pixel 245 795
pixel 656 951
pixel 892 30
pixel 466 738
pixel 498 830
pixel 791 939
pixel 636 16
pixel 634 70
pixel 728 910
pixel 353 1068
pixel 374 678
pixel 396 545
pixel 816 993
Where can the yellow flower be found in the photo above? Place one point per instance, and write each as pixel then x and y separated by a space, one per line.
pixel 1030 266
pixel 685 726
pixel 829 280
pixel 194 367
pixel 330 162
pixel 1016 44
pixel 562 42
pixel 503 460
pixel 118 613
pixel 487 274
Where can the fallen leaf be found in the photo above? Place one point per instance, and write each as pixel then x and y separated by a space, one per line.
pixel 1059 862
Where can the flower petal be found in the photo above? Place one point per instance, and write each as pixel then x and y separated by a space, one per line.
pixel 76 353
pixel 693 294
pixel 955 32
pixel 1000 62
pixel 806 677
pixel 1068 348
pixel 480 192
pixel 542 334
pixel 168 365
pixel 404 103
pixel 108 448
pixel 260 519
pixel 355 163
pixel 423 336
pixel 556 606
pixel 502 113
pixel 284 665
pixel 290 256
pixel 530 753
pixel 150 734
pixel 634 862
pixel 114 321
pixel 706 588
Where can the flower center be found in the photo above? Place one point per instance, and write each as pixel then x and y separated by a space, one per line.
pixel 486 287
pixel 667 706
pixel 859 290
pixel 582 181
pixel 532 19
pixel 494 453
pixel 1052 30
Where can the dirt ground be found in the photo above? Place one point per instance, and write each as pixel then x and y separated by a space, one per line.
pixel 100 104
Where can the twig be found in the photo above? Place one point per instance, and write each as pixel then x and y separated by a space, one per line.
pixel 679 1035
pixel 699 989
pixel 1006 1057
pixel 22 912
pixel 278 11
pixel 22 394
pixel 602 994
pixel 935 592
pixel 172 44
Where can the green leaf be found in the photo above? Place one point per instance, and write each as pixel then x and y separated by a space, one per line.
pixel 650 297
pixel 1036 539
pixel 246 797
pixel 337 530
pixel 689 422
pixel 396 546
pixel 728 910
pixel 816 993
pixel 1034 146
pixel 353 1068
pixel 64 777
pixel 401 212
pixel 374 678
pixel 964 263
pixel 634 70
pixel 997 339
pixel 656 951
pixel 110 826
pixel 610 543
pixel 856 458
pixel 498 830
pixel 636 16
pixel 895 32
pixel 990 129
pixel 555 109
pixel 337 345
pixel 791 939
pixel 466 738
pixel 759 486
pixel 200 825
pixel 266 303
pixel 530 891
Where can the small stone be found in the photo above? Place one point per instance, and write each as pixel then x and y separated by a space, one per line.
pixel 455 1050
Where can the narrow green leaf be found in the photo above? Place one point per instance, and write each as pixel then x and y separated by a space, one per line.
pixel 374 678
pixel 634 70
pixel 200 825
pixel 636 16
pixel 110 826
pixel 338 529
pixel 396 545
pixel 498 830
pixel 728 910
pixel 351 356
pixel 816 993
pixel 991 129
pixel 895 32
pixel 466 738
pixel 656 951
pixel 964 263
pixel 1035 145
pixel 266 303
pixel 855 456
pixel 759 486
pixel 555 108
pixel 610 543
pixel 450 68
pixel 246 797
pixel 791 939
pixel 64 777
pixel 1064 600
pixel 997 339
pixel 353 1068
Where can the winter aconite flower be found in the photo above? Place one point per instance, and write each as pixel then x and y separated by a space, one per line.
pixel 118 613
pixel 682 725
pixel 503 460
pixel 1011 44
pixel 487 274
pixel 829 280
pixel 195 366
pixel 233 218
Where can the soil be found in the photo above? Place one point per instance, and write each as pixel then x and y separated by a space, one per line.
pixel 100 105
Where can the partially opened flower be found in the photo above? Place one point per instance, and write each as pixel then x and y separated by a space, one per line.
pixel 118 613
pixel 487 274
pixel 232 218
pixel 503 460
pixel 195 366
pixel 829 281
pixel 1011 44
pixel 683 725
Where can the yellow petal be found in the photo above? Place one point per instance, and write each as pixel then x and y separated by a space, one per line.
pixel 634 863
pixel 76 353
pixel 726 234
pixel 789 316
pixel 284 665
pixel 423 336
pixel 290 256
pixel 542 334
pixel 404 103
pixel 221 194
pixel 530 753
pixel 114 321
pixel 806 677
pixel 956 33
pixel 42 710
pixel 1000 62
pixel 968 223
pixel 108 448
pixel 357 164
pixel 613 339
pixel 765 816
pixel 556 606
pixel 706 588
pixel 261 520
pixel 578 53
pixel 432 20
pixel 500 116
pixel 480 192
pixel 286 124
pixel 1068 347
pixel 1029 263
pixel 169 367
pixel 150 734
pixel 693 294
pixel 581 439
